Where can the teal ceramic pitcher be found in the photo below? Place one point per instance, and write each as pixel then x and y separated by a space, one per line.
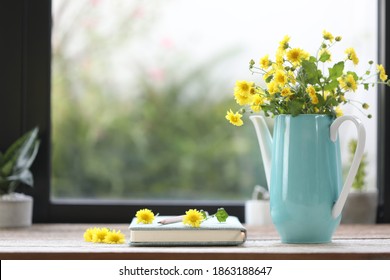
pixel 304 174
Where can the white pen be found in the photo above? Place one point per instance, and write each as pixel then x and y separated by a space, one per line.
pixel 171 220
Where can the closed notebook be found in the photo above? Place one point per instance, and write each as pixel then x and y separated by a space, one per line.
pixel 210 233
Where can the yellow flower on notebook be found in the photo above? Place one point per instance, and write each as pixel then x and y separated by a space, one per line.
pixel 193 218
pixel 144 216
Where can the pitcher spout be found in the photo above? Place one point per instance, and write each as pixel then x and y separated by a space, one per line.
pixel 265 142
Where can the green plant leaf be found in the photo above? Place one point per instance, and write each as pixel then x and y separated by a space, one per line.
pixel 19 157
pixel 269 79
pixel 332 85
pixel 204 214
pixel 366 86
pixel 324 57
pixel 311 71
pixel 25 177
pixel 20 148
pixel 312 59
pixel 336 71
pixel 221 215
pixel 27 151
pixel 295 107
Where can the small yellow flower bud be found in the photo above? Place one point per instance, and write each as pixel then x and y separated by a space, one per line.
pixel 369 116
pixel 324 46
pixel 365 106
pixel 371 62
pixel 338 38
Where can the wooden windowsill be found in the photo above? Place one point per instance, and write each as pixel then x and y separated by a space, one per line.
pixel 65 241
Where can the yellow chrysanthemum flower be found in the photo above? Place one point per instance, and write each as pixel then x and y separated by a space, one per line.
pixel 193 218
pixel 88 234
pixel 312 93
pixel 99 235
pixel 114 237
pixel 283 45
pixel 272 87
pixel 338 111
pixel 327 36
pixel 347 82
pixel 243 87
pixel 243 92
pixel 144 216
pixel 234 118
pixel 258 100
pixel 291 77
pixel 280 78
pixel 265 63
pixel 351 55
pixel 243 99
pixel 382 72
pixel 286 92
pixel 297 55
pixel 279 58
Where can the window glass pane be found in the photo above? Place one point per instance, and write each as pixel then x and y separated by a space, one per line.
pixel 140 90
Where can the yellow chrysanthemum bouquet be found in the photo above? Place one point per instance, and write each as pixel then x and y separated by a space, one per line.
pixel 299 83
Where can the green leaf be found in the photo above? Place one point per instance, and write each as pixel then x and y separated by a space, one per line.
pixel 311 72
pixel 336 71
pixel 25 177
pixel 204 214
pixel 295 107
pixel 324 57
pixel 269 79
pixel 28 150
pixel 221 215
pixel 366 86
pixel 332 85
pixel 19 157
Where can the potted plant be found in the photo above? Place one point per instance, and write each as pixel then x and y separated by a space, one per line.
pixel 15 163
pixel 304 93
pixel 361 205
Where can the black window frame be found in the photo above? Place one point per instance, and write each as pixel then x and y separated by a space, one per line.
pixel 25 79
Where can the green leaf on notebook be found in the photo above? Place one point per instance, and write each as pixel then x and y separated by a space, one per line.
pixel 221 215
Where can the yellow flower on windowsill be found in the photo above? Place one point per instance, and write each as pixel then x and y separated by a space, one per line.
pixel 297 82
pixel 104 235
pixel 114 237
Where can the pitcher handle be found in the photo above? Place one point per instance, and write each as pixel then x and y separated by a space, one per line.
pixel 361 133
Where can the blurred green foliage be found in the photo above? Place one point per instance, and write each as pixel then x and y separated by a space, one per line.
pixel 155 146
pixel 161 140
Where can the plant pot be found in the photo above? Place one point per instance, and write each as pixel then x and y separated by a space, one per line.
pixel 360 208
pixel 15 210
pixel 257 212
